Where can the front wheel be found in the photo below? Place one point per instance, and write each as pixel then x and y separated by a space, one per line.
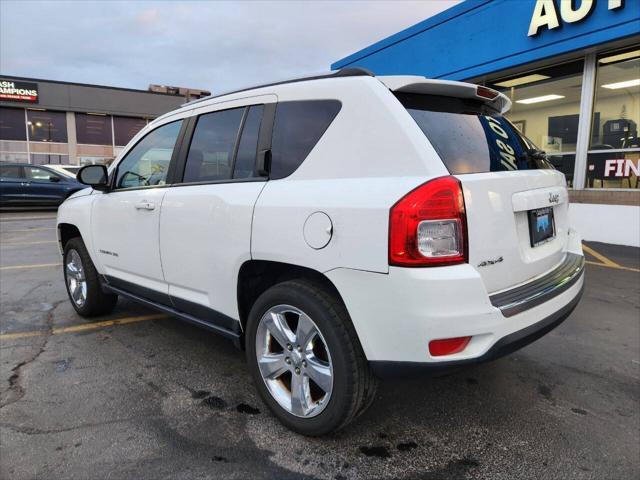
pixel 306 359
pixel 83 283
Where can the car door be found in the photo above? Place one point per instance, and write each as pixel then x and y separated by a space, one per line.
pixel 13 185
pixel 205 226
pixel 44 187
pixel 125 220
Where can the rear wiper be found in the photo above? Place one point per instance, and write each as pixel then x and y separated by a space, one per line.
pixel 535 154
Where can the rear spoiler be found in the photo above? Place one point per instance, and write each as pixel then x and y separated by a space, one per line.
pixel 446 88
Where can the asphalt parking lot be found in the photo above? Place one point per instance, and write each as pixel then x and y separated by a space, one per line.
pixel 141 395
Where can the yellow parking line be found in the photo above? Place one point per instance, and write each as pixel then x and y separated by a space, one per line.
pixel 21 267
pixel 83 327
pixel 599 256
pixel 604 261
pixel 615 266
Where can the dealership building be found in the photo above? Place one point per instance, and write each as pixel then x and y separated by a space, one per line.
pixel 572 71
pixel 51 122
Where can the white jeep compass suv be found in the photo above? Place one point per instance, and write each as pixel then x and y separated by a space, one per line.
pixel 337 228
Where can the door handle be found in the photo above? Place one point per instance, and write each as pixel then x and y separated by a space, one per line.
pixel 144 205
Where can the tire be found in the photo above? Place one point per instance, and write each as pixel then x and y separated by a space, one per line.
pixel 335 344
pixel 90 300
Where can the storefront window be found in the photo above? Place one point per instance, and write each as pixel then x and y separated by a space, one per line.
pixel 47 126
pixel 546 106
pixel 613 160
pixel 12 126
pixel 125 128
pixel 93 129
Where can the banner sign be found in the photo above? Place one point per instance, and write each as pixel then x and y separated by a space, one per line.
pixel 18 91
pixel 504 148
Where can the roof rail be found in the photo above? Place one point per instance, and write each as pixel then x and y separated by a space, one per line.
pixel 343 72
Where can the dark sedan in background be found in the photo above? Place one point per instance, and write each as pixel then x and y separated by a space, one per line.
pixel 35 185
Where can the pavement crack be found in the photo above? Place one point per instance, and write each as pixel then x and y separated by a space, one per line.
pixel 16 390
pixel 48 431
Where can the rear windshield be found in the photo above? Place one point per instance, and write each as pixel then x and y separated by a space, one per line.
pixel 471 137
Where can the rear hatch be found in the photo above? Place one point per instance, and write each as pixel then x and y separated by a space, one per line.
pixel 516 203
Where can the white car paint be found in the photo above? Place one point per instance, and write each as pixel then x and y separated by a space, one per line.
pixel 194 241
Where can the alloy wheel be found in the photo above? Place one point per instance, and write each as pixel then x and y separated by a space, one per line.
pixel 294 361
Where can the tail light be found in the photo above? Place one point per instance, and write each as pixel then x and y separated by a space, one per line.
pixel 427 227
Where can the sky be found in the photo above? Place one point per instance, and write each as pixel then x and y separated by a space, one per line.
pixel 214 45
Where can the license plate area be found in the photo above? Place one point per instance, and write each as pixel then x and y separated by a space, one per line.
pixel 542 228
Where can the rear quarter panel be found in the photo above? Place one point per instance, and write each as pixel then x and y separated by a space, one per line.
pixel 372 154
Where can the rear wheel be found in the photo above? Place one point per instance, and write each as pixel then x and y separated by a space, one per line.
pixel 83 283
pixel 306 359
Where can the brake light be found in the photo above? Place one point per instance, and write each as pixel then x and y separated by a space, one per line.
pixel 448 346
pixel 485 92
pixel 427 227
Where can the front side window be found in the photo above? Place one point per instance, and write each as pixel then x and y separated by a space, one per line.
pixel 147 163
pixel 470 137
pixel 40 174
pixel 297 128
pixel 613 160
pixel 545 108
pixel 211 151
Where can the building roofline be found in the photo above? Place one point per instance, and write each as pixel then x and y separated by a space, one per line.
pixel 90 85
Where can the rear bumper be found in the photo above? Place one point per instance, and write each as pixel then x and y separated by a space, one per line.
pixel 522 298
pixel 397 314
pixel 504 346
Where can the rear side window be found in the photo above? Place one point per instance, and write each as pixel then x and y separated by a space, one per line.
pixel 9 171
pixel 298 126
pixel 470 137
pixel 246 156
pixel 211 152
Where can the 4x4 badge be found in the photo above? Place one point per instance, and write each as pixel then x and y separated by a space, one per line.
pixel 485 263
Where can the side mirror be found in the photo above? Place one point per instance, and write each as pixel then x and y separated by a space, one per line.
pixel 54 179
pixel 95 176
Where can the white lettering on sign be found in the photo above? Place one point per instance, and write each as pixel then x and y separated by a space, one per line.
pixel 507 157
pixel 570 15
pixel 18 91
pixel 545 13
pixel 621 167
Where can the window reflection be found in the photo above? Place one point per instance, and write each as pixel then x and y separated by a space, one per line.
pixel 546 107
pixel 125 128
pixel 614 151
pixel 93 129
pixel 12 124
pixel 47 126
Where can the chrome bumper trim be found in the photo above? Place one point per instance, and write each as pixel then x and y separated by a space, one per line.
pixel 517 300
